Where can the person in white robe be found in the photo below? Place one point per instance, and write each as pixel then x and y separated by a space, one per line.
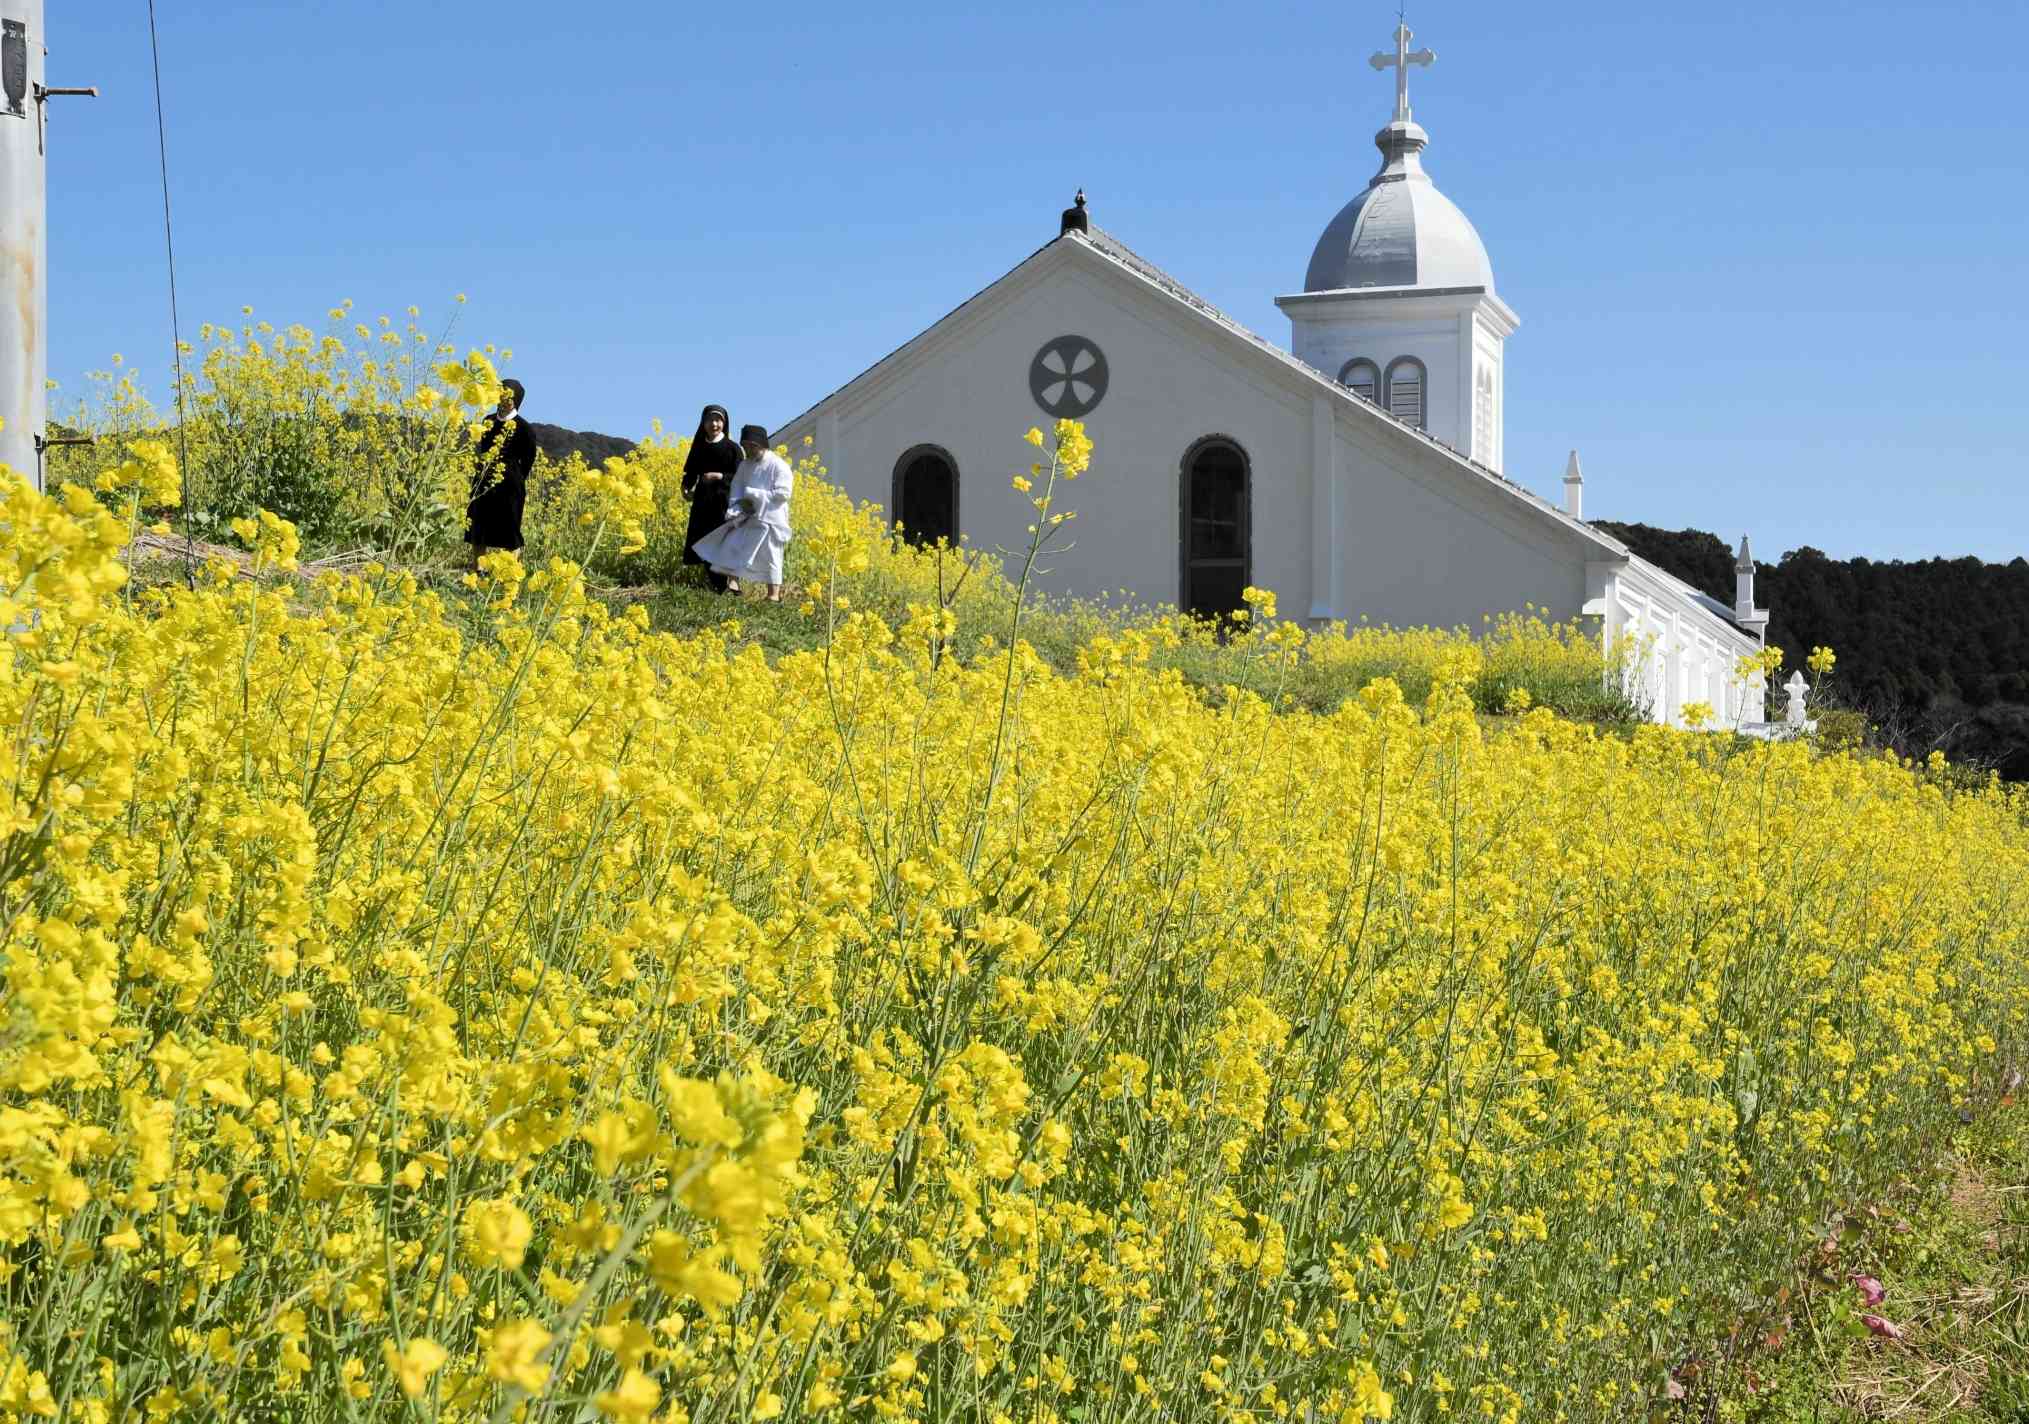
pixel 750 544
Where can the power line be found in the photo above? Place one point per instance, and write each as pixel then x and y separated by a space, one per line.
pixel 175 323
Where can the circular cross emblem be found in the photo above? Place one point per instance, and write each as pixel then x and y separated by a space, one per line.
pixel 1068 377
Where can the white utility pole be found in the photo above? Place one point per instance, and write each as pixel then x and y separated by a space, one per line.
pixel 24 236
pixel 24 240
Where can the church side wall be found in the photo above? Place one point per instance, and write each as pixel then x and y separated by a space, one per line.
pixel 1682 653
pixel 1418 548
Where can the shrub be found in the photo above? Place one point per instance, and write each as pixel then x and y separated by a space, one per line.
pixel 358 436
pixel 1841 729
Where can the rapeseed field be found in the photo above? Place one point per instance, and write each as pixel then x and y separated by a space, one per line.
pixel 413 1013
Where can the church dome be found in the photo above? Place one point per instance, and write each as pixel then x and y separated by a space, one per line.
pixel 1400 232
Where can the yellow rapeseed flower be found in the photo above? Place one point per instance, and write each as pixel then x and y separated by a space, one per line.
pixel 634 1399
pixel 513 1352
pixel 413 1364
pixel 497 1233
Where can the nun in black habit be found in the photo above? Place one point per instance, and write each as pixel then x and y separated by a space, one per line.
pixel 500 469
pixel 707 476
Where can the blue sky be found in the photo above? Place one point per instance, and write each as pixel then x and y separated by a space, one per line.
pixel 1770 261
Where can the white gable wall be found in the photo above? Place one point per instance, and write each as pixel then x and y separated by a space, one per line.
pixel 969 393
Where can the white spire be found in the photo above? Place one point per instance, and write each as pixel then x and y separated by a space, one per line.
pixel 1754 620
pixel 1574 488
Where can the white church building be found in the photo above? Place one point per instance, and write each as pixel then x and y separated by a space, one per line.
pixel 1357 474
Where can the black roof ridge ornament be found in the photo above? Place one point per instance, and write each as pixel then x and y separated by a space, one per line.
pixel 1074 216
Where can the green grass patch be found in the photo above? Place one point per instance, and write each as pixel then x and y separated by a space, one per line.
pixel 1947 1342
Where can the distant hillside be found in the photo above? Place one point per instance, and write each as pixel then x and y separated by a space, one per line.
pixel 1936 651
pixel 560 444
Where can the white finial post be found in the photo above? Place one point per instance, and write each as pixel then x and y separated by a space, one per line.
pixel 1574 488
pixel 1400 61
pixel 1794 713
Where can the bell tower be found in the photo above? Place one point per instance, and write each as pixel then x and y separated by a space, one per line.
pixel 1399 303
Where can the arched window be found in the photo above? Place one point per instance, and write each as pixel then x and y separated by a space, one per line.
pixel 926 495
pixel 1362 377
pixel 1405 390
pixel 1217 533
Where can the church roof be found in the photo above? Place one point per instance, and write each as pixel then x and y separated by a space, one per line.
pixel 1400 232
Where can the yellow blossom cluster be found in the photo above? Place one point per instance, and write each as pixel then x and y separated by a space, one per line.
pixel 359 434
pixel 520 1013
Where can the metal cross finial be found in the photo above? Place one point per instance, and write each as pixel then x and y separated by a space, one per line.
pixel 1400 60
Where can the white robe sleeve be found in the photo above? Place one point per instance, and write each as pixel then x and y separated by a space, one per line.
pixel 781 483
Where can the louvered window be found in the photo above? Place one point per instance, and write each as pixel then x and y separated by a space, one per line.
pixel 1362 378
pixel 1405 390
